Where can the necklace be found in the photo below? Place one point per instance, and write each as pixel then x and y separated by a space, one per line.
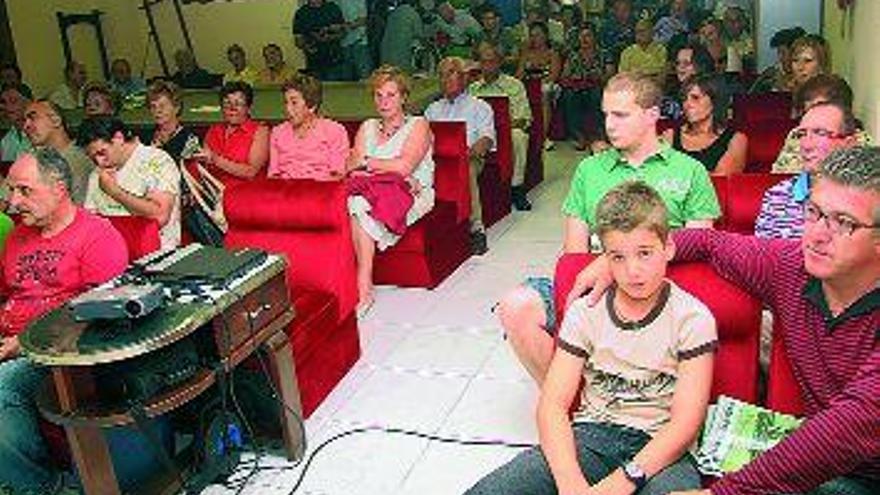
pixel 389 131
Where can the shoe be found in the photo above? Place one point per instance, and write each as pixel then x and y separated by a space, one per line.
pixel 479 246
pixel 519 200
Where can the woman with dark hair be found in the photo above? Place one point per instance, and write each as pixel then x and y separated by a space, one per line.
pixel 690 59
pixel 704 134
pixel 237 149
pixel 537 56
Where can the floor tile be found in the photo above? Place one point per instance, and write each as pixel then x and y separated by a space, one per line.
pixel 460 351
pixel 495 410
pixel 448 469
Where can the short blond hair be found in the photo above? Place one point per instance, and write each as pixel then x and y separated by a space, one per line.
pixel 393 74
pixel 645 88
pixel 456 63
pixel 629 205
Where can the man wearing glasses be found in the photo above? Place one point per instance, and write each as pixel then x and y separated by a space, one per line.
pixel 825 293
pixel 824 128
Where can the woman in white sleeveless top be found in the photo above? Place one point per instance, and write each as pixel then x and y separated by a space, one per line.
pixel 395 142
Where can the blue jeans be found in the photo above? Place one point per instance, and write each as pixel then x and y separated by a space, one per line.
pixel 24 461
pixel 601 448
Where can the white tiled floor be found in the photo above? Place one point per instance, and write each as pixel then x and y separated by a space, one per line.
pixel 435 362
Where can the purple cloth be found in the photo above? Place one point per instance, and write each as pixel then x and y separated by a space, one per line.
pixel 389 195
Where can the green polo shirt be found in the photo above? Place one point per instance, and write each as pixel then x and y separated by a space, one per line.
pixel 681 181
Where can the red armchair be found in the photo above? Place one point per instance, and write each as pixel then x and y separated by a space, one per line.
pixel 497 173
pixel 740 196
pixel 737 314
pixel 751 108
pixel 766 138
pixel 308 223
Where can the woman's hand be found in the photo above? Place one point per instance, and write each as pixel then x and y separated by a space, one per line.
pixel 204 155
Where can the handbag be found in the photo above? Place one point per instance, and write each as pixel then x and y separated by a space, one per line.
pixel 203 212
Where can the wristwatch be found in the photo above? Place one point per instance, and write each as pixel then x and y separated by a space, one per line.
pixel 635 475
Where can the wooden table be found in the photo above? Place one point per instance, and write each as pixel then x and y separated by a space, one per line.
pixel 253 313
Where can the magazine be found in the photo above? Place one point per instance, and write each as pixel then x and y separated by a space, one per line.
pixel 736 432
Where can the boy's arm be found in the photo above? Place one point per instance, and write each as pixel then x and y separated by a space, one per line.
pixel 576 237
pixel 554 427
pixel 689 405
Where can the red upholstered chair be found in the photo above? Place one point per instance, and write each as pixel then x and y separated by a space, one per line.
pixel 141 234
pixel 719 182
pixel 766 138
pixel 744 195
pixel 434 246
pixel 751 108
pixel 535 163
pixel 737 314
pixel 497 173
pixel 308 223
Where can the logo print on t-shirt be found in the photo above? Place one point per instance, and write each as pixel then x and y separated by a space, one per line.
pixel 38 267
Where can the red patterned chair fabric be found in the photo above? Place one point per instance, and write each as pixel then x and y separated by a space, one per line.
pixel 766 138
pixel 535 162
pixel 737 314
pixel 495 179
pixel 307 222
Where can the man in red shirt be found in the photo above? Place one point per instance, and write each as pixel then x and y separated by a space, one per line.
pixel 56 252
pixel 825 294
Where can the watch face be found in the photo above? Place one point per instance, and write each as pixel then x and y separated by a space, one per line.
pixel 633 471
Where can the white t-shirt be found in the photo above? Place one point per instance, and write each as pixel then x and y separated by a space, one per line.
pixel 631 369
pixel 147 169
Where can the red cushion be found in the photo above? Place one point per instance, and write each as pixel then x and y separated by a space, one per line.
pixel 416 238
pixel 745 193
pixel 268 204
pixel 766 138
pixel 452 169
pixel 751 108
pixel 502 157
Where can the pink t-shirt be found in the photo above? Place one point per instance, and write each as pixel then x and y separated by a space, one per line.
pixel 320 155
pixel 40 274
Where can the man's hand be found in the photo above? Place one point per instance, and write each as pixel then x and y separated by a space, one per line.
pixel 107 180
pixel 595 276
pixel 693 492
pixel 9 348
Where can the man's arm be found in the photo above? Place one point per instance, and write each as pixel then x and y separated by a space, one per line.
pixel 576 236
pixel 828 445
pixel 154 204
pixel 554 427
pixel 689 404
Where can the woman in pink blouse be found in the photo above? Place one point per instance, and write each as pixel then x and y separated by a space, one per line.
pixel 237 149
pixel 306 146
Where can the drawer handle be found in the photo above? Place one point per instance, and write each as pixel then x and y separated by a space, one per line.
pixel 253 315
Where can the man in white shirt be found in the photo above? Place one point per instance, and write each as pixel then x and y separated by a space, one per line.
pixel 458 106
pixel 130 178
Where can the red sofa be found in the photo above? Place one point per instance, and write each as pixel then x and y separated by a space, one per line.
pixel 737 314
pixel 497 173
pixel 307 222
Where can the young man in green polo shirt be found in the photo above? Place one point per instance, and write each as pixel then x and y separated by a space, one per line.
pixel 631 106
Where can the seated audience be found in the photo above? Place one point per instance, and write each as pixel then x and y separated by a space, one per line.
pixel 189 75
pixel 80 251
pixel 130 178
pixel 68 95
pixel 238 149
pixel 240 71
pixel 538 58
pixel 571 18
pixel 165 102
pixel 738 36
pixel 630 103
pixel 618 32
pixel 99 100
pixel 645 56
pixel 705 134
pixel 14 99
pixel 651 340
pixel 822 88
pixel 493 82
pixel 45 126
pixel 581 96
pixel 726 58
pixel 675 22
pixel 823 291
pixel 456 30
pixel 10 74
pixel 306 145
pixel 355 49
pixel 122 82
pixel 810 56
pixel 496 33
pixel 404 30
pixel 318 28
pixel 390 166
pixel 825 127
pixel 778 77
pixel 276 70
pixel 457 105
pixel 691 59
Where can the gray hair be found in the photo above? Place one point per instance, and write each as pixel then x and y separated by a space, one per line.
pixel 53 166
pixel 857 167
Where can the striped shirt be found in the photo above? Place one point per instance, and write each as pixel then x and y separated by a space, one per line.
pixel 782 210
pixel 835 360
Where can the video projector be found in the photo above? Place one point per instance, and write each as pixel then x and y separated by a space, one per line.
pixel 125 301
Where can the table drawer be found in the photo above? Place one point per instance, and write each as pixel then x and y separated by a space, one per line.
pixel 249 314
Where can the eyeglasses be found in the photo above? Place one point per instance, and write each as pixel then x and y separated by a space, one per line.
pixel 234 104
pixel 802 132
pixel 836 222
